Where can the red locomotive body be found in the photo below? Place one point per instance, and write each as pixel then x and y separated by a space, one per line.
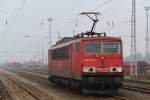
pixel 94 64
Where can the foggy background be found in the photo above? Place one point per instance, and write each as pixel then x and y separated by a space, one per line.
pixel 24 27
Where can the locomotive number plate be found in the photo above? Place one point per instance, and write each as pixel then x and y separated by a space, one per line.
pixel 102 69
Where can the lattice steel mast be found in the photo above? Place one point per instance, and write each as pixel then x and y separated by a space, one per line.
pixel 133 40
pixel 147 34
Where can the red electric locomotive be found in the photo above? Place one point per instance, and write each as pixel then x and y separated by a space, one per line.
pixel 90 61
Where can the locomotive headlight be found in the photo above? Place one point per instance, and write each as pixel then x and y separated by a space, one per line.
pixel 115 69
pixel 89 69
pixel 119 69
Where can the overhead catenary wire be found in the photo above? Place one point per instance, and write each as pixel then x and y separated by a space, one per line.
pixel 102 5
pixel 14 19
pixel 98 7
pixel 6 13
pixel 127 7
pixel 11 15
pixel 13 10
pixel 75 19
pixel 123 22
pixel 3 12
pixel 128 21
pixel 69 9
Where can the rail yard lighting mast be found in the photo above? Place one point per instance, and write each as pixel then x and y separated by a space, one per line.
pixel 147 34
pixel 50 21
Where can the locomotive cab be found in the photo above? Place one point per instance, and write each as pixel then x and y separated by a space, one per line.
pixel 102 57
pixel 102 64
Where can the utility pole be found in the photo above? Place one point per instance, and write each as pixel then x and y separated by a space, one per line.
pixel 133 71
pixel 50 21
pixel 42 53
pixel 38 53
pixel 34 55
pixel 59 37
pixel 147 34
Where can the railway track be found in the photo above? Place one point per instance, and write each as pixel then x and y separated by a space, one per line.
pixel 4 93
pixel 139 88
pixel 61 90
pixel 137 85
pixel 119 97
pixel 27 91
pixel 137 81
pixel 142 86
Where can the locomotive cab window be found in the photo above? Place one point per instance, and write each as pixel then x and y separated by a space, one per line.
pixel 101 47
pixel 92 47
pixel 110 48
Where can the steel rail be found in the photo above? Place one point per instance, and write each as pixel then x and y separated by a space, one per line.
pixel 12 97
pixel 119 97
pixel 136 88
pixel 113 96
pixel 138 81
pixel 23 87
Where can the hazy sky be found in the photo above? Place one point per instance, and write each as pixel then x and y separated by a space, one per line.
pixel 20 18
